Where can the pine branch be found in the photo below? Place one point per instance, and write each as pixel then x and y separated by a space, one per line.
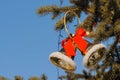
pixel 52 9
pixel 43 77
pixel 47 9
pixel 81 3
pixel 117 27
pixel 89 22
pixel 69 18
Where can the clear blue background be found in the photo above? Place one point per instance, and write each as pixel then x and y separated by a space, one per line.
pixel 27 39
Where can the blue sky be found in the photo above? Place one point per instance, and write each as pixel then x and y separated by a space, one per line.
pixel 27 39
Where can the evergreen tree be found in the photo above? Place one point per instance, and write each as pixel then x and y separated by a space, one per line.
pixel 18 78
pixel 4 78
pixel 103 22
